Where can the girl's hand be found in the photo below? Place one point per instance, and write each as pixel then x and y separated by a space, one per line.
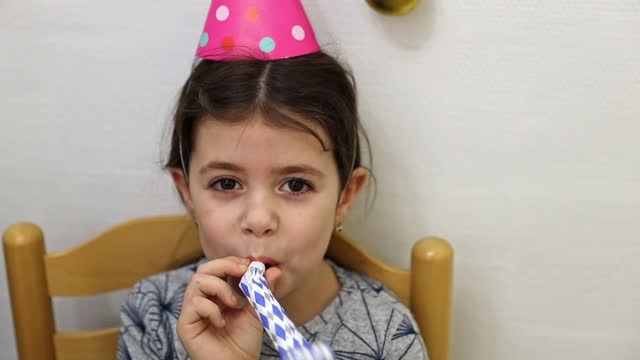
pixel 214 321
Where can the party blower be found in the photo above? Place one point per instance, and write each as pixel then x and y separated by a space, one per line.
pixel 287 339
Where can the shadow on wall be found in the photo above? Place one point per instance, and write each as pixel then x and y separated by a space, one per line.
pixel 389 227
pixel 412 30
pixel 473 320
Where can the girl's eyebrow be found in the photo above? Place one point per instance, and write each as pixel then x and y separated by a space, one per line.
pixel 285 170
pixel 220 165
pixel 298 169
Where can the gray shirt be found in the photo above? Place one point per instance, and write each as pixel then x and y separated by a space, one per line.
pixel 364 321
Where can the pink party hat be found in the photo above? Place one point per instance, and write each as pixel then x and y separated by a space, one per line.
pixel 263 29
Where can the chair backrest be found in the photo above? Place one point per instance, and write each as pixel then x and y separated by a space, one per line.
pixel 129 252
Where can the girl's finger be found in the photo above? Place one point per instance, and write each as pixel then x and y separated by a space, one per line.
pixel 215 289
pixel 229 266
pixel 206 309
pixel 195 309
pixel 233 266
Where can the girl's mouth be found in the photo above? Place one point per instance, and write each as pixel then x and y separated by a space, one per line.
pixel 267 261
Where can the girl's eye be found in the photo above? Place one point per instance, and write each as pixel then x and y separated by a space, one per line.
pixel 296 186
pixel 225 184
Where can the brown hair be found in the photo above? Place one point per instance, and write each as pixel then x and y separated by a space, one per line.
pixel 315 86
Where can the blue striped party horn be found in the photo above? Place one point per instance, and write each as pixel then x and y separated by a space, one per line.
pixel 287 339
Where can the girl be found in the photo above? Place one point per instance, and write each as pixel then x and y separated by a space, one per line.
pixel 266 158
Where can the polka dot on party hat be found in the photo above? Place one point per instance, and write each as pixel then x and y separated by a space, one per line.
pixel 204 39
pixel 227 43
pixel 222 13
pixel 298 32
pixel 266 30
pixel 267 44
pixel 252 14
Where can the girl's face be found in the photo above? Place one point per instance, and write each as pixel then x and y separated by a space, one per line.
pixel 265 193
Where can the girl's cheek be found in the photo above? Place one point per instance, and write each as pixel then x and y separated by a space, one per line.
pixel 220 239
pixel 214 241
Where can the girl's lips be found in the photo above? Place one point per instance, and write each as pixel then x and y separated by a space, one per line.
pixel 265 260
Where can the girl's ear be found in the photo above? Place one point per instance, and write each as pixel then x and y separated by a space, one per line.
pixel 183 187
pixel 358 178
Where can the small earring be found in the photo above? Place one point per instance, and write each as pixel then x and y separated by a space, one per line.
pixel 339 228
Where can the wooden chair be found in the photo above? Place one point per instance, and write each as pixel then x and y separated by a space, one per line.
pixel 129 252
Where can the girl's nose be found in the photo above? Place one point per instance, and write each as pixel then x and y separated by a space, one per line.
pixel 260 218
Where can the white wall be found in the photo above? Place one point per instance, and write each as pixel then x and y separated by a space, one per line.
pixel 508 127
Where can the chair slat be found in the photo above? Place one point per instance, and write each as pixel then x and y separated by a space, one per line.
pixel 349 254
pixel 94 345
pixel 102 264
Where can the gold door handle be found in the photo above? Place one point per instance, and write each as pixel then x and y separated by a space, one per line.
pixel 393 7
